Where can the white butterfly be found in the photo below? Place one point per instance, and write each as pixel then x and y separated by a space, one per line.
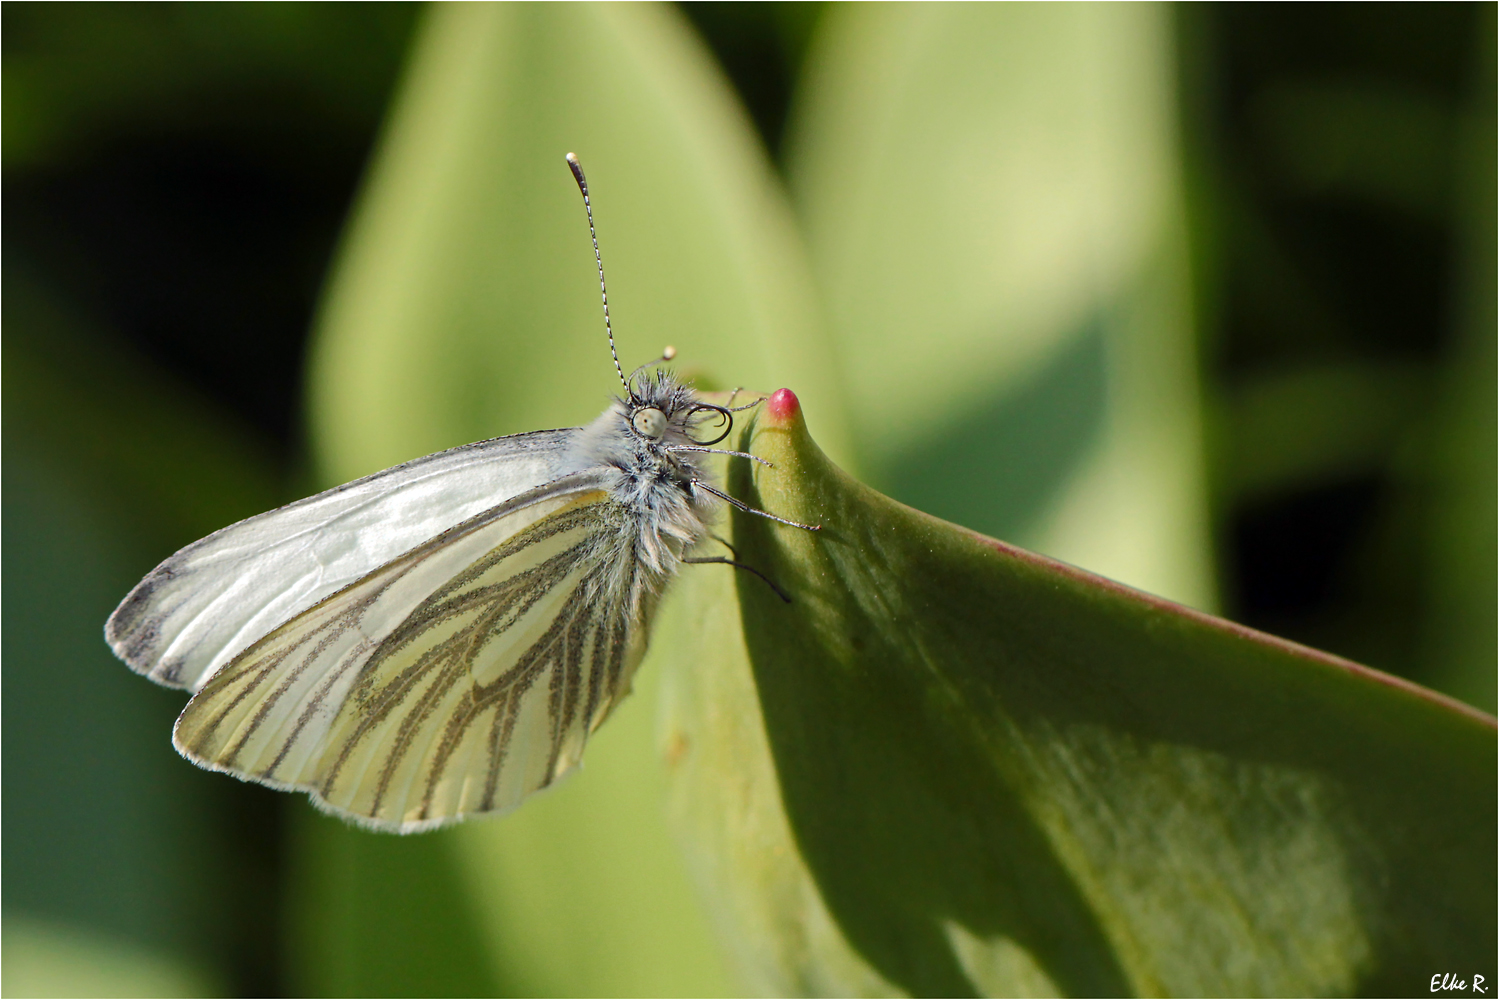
pixel 439 639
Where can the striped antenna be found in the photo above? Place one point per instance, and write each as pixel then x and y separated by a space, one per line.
pixel 577 169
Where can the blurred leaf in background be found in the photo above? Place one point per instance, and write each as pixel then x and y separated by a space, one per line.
pixel 991 197
pixel 1459 606
pixel 1345 248
pixel 109 842
pixel 174 180
pixel 182 171
pixel 1462 595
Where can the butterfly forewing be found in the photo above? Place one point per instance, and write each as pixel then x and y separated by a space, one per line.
pixel 454 680
pixel 207 602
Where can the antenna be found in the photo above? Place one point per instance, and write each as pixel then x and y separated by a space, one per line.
pixel 577 169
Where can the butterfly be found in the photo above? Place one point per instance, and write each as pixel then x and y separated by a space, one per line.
pixel 438 640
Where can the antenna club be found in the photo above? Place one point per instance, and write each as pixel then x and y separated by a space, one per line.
pixel 669 353
pixel 577 169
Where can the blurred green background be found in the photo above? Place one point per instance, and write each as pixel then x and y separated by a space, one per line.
pixel 177 181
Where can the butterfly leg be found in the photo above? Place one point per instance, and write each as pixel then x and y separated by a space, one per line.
pixel 721 451
pixel 720 560
pixel 721 540
pixel 747 406
pixel 741 505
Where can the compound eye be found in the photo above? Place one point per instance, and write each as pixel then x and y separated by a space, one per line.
pixel 649 422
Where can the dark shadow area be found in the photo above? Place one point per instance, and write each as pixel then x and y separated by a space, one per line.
pixel 208 262
pixel 1291 550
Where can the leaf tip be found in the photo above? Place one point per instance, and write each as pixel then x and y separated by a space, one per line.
pixel 783 406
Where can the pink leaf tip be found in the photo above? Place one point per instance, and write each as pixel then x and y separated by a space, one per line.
pixel 783 405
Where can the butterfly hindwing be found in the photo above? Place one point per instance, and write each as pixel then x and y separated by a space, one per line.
pixel 456 679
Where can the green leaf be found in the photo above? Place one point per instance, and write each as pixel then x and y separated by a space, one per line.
pixel 1008 775
pixel 725 804
pixel 466 305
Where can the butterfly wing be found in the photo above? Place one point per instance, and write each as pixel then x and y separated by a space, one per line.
pixel 212 599
pixel 457 679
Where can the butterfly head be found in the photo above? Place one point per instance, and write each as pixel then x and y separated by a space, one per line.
pixel 662 409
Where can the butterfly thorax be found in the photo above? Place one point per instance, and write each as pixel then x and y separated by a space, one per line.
pixel 648 440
